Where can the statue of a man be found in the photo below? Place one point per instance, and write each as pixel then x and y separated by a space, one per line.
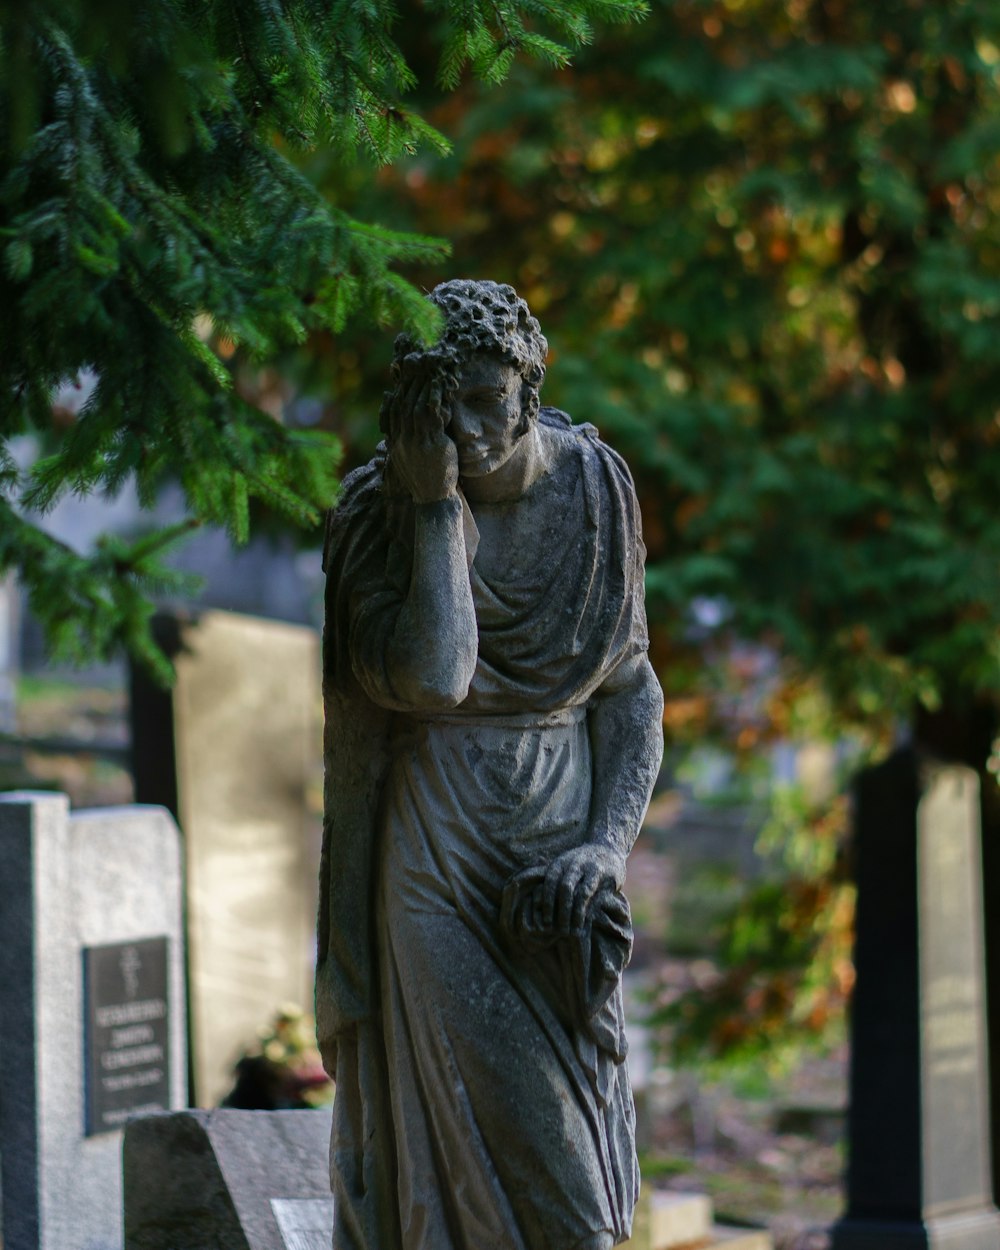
pixel 493 730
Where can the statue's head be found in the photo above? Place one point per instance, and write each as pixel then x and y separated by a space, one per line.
pixel 487 318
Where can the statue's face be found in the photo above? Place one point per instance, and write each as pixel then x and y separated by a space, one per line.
pixel 485 415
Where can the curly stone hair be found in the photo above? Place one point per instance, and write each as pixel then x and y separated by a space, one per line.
pixel 483 316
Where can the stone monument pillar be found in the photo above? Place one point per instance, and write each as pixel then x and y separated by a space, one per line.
pixel 91 1007
pixel 919 1151
pixel 9 653
pixel 231 750
pixel 991 899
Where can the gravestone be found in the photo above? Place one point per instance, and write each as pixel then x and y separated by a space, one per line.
pixel 919 1154
pixel 232 751
pixel 9 659
pixel 991 899
pixel 92 1005
pixel 235 1180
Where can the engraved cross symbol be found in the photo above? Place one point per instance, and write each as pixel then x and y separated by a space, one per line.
pixel 130 964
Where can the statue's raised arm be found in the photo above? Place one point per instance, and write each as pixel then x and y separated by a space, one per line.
pixel 493 733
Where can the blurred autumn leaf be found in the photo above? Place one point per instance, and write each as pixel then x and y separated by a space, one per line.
pixel 763 239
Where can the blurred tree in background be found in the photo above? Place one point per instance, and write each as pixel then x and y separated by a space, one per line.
pixel 763 239
pixel 154 232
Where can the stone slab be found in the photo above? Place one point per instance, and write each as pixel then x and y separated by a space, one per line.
pixel 678 1219
pixel 723 1238
pixel 919 1149
pixel 232 1180
pixel 233 751
pixel 73 883
pixel 665 1220
pixel 9 653
pixel 954 1095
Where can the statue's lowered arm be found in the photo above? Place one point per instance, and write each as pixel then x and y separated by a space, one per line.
pixel 625 725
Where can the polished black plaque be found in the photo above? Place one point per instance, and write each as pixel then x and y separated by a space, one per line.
pixel 126 1032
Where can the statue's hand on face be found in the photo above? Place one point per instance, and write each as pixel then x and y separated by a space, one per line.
pixel 423 458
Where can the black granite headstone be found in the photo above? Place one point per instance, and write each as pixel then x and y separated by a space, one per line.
pixel 919 1152
pixel 127 1032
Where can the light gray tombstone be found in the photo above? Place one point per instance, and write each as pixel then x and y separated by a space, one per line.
pixel 9 624
pixel 235 1180
pixel 232 751
pixel 92 1005
pixel 919 1152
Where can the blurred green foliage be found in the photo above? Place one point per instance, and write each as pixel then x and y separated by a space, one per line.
pixel 763 239
pixel 154 231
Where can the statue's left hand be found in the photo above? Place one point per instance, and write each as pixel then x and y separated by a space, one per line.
pixel 573 879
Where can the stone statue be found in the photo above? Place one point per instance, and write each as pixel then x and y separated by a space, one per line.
pixel 493 730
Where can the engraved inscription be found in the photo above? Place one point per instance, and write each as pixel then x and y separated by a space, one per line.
pixel 958 1030
pixel 951 1025
pixel 126 1032
pixel 951 991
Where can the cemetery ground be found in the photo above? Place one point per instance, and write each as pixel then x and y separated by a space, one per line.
pixel 766 1147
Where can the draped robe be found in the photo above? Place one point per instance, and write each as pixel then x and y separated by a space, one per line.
pixel 482 1094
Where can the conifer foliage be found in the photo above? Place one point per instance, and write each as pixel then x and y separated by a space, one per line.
pixel 763 237
pixel 151 211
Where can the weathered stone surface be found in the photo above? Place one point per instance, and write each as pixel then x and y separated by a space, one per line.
pixel 678 1219
pixel 665 1220
pixel 232 750
pixel 228 1180
pixel 723 1238
pixel 493 733
pixel 919 1156
pixel 9 652
pixel 72 884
